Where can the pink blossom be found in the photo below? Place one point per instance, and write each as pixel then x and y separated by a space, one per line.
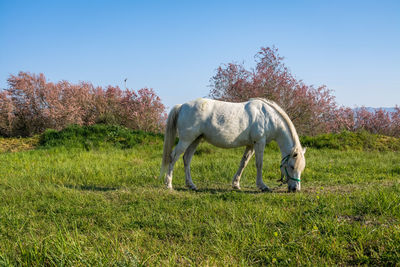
pixel 312 109
pixel 31 104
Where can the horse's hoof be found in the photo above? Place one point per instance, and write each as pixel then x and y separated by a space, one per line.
pixel 266 189
pixel 236 187
pixel 192 187
pixel 169 187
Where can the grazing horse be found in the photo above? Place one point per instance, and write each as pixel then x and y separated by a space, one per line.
pixel 252 124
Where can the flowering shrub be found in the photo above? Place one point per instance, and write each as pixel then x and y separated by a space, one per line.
pixel 378 121
pixel 313 110
pixel 309 108
pixel 31 105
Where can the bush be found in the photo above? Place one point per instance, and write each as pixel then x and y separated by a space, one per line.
pixel 96 136
pixel 361 140
pixel 310 108
pixel 30 105
pixel 313 110
pixel 101 135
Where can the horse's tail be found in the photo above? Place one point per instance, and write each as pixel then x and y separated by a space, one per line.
pixel 169 138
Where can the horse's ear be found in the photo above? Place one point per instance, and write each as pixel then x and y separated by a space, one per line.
pixel 304 150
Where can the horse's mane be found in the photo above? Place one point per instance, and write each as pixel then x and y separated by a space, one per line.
pixel 285 117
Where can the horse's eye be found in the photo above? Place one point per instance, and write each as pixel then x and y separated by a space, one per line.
pixel 292 167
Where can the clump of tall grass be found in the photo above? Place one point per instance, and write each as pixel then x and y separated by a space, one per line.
pixel 346 140
pixel 96 136
pixel 102 135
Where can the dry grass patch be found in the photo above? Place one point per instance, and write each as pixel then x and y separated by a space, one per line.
pixel 18 144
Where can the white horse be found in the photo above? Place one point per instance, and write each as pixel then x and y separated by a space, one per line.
pixel 252 124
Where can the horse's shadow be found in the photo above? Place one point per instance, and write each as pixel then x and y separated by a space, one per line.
pixel 231 190
pixel 91 188
pixel 253 191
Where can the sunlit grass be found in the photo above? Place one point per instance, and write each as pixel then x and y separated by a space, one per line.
pixel 106 206
pixel 18 144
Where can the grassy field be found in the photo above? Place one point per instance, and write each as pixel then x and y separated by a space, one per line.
pixel 105 206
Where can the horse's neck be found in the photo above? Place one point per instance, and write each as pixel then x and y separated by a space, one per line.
pixel 284 136
pixel 285 140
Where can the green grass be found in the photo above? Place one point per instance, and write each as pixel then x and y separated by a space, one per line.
pixel 352 140
pixel 103 205
pixel 96 136
pixel 101 135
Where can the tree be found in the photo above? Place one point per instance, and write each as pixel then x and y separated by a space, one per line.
pixel 311 109
pixel 31 105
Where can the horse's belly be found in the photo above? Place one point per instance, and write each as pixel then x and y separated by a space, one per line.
pixel 224 144
pixel 226 139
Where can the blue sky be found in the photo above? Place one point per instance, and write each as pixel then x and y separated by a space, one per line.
pixel 353 47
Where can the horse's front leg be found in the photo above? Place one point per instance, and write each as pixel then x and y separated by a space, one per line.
pixel 187 158
pixel 248 153
pixel 259 151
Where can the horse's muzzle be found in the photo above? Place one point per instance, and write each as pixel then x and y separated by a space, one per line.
pixel 293 189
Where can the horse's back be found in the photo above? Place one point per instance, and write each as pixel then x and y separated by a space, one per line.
pixel 223 124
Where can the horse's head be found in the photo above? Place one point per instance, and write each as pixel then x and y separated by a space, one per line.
pixel 292 166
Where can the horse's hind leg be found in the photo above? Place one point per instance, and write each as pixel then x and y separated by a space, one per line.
pixel 187 158
pixel 179 149
pixel 248 153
